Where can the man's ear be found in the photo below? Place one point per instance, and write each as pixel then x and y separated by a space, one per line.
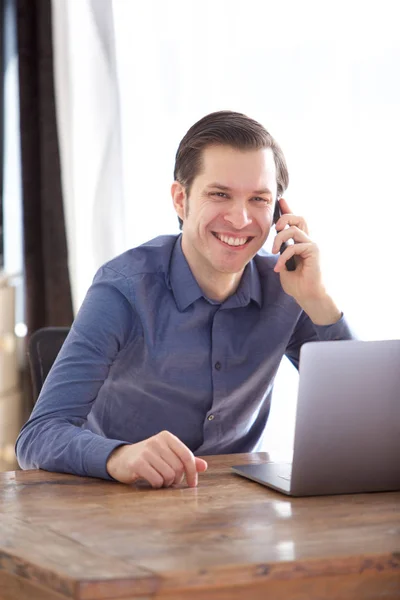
pixel 178 194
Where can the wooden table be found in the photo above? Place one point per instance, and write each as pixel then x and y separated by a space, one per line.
pixel 68 537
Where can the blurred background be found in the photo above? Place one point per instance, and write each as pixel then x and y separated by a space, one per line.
pixel 95 96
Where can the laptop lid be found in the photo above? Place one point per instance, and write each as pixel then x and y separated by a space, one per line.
pixel 347 432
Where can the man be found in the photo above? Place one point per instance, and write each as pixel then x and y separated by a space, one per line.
pixel 174 351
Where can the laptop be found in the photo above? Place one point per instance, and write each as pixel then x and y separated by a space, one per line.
pixel 347 430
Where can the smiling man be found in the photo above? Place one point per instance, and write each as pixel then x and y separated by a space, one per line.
pixel 174 351
pixel 229 215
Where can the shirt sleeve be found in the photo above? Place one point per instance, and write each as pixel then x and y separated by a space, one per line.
pixel 54 438
pixel 307 331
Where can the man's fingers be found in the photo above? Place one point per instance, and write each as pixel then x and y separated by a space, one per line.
pixel 284 206
pixel 162 460
pixel 189 466
pixel 173 461
pixel 201 465
pixel 145 471
pixel 305 249
pixel 291 233
pixel 162 467
pixel 290 219
pixel 178 480
pixel 186 457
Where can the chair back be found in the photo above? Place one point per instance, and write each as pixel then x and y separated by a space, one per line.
pixel 43 348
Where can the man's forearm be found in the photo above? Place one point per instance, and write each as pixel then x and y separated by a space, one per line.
pixel 55 445
pixel 322 311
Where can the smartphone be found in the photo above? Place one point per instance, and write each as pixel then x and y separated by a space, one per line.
pixel 290 264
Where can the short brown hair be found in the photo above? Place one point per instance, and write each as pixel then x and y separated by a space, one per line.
pixel 229 129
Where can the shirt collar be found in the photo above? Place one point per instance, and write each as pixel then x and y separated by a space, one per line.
pixel 249 289
pixel 186 290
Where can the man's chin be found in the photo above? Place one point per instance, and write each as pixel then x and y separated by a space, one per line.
pixel 231 262
pixel 230 267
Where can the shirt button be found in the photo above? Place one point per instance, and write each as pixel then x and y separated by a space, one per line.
pixel 218 365
pixel 210 417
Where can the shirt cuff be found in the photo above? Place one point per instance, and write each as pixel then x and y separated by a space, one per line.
pixel 335 331
pixel 97 454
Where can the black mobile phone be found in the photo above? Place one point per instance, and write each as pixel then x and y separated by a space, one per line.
pixel 291 263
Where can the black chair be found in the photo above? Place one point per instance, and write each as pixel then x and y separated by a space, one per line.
pixel 43 347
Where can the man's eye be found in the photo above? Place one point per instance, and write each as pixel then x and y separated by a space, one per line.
pixel 219 194
pixel 259 199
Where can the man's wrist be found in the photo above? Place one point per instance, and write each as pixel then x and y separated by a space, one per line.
pixel 322 311
pixel 113 458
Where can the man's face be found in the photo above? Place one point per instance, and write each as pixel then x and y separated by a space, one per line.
pixel 229 212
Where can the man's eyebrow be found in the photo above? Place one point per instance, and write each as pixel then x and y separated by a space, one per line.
pixel 263 191
pixel 219 186
pixel 225 188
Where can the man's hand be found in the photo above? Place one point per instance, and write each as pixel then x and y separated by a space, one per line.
pixel 305 282
pixel 162 460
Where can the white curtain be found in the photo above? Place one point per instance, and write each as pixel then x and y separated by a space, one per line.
pixel 88 117
pixel 12 350
pixel 323 77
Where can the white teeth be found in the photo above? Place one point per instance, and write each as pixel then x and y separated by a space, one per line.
pixel 232 241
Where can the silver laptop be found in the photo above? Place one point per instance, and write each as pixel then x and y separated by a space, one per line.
pixel 347 432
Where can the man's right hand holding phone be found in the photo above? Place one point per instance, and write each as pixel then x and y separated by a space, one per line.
pixel 162 460
pixel 304 283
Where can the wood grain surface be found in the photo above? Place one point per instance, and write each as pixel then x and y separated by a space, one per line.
pixel 69 537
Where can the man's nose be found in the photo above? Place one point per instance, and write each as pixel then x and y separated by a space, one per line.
pixel 238 215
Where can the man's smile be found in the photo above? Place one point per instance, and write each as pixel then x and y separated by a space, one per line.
pixel 232 241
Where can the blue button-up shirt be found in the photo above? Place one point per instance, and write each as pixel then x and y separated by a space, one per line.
pixel 149 352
